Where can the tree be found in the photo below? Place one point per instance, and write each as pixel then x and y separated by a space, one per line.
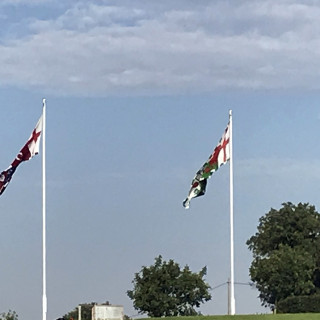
pixel 86 312
pixel 286 255
pixel 10 315
pixel 163 289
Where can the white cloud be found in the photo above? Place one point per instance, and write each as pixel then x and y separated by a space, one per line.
pixel 95 48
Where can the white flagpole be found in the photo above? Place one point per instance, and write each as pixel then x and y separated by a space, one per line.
pixel 232 306
pixel 44 296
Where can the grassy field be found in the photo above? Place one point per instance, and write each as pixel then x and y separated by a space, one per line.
pixel 300 316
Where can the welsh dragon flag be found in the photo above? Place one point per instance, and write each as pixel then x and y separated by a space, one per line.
pixel 220 155
pixel 30 149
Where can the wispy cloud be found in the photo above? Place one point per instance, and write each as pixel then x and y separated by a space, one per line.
pixel 99 48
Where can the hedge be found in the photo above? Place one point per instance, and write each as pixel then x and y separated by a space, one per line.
pixel 299 304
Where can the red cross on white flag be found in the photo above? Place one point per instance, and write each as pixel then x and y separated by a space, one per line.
pixel 30 149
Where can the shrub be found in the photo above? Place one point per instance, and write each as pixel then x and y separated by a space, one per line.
pixel 299 304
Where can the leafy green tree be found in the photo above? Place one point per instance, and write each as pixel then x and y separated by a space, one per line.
pixel 164 289
pixel 10 315
pixel 86 312
pixel 286 253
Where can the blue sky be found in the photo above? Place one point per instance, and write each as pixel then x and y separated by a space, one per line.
pixel 138 94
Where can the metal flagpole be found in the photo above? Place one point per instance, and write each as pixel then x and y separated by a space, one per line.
pixel 44 296
pixel 231 307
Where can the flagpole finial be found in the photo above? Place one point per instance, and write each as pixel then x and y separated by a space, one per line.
pixel 43 100
pixel 230 112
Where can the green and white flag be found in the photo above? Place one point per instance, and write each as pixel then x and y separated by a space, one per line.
pixel 220 155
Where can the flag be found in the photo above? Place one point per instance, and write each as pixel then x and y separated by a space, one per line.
pixel 220 155
pixel 30 149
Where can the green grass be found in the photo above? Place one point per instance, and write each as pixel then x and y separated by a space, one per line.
pixel 300 316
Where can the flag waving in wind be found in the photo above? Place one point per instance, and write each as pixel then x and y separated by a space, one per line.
pixel 30 149
pixel 220 156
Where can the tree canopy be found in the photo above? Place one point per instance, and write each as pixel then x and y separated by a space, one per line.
pixel 10 315
pixel 286 255
pixel 164 289
pixel 86 312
